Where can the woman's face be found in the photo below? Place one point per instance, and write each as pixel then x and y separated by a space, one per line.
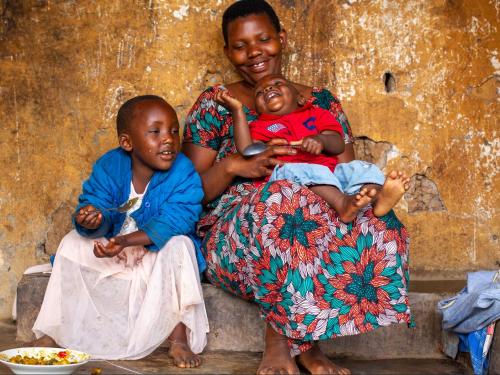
pixel 254 47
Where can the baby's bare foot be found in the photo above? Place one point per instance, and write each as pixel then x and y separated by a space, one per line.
pixel 316 362
pixel 276 358
pixel 353 203
pixel 182 355
pixel 43 342
pixel 395 185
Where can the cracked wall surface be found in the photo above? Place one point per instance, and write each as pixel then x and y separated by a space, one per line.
pixel 419 81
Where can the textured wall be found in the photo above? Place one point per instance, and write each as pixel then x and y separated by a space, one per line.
pixel 418 80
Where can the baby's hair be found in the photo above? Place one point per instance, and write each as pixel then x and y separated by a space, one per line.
pixel 126 111
pixel 245 8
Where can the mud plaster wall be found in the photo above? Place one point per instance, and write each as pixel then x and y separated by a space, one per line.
pixel 419 81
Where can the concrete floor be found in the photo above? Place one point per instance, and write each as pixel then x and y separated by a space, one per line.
pixel 244 363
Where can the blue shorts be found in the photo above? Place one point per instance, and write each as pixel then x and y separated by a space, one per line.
pixel 349 178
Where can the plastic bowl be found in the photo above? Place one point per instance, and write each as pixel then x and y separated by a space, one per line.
pixel 75 356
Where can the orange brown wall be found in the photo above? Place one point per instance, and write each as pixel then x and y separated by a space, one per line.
pixel 419 81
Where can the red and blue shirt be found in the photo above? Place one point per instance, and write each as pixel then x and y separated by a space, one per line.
pixel 306 121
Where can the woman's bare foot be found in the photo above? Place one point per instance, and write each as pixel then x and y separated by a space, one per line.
pixel 42 342
pixel 395 185
pixel 179 349
pixel 316 362
pixel 276 358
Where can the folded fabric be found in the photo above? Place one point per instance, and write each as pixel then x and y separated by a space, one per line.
pixel 475 306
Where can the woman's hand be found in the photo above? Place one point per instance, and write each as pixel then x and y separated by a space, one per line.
pixel 260 165
pixel 88 217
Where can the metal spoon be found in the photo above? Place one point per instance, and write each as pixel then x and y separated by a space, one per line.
pixel 259 147
pixel 123 208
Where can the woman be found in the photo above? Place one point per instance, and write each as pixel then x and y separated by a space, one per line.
pixel 279 244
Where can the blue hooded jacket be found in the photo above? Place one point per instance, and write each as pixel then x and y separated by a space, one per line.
pixel 170 207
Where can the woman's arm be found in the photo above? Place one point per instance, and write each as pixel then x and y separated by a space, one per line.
pixel 216 177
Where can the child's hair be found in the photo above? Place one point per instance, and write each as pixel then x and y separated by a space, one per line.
pixel 245 8
pixel 126 111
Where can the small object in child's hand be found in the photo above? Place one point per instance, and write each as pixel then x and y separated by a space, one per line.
pixel 123 208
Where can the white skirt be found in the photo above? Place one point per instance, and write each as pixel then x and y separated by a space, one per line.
pixel 122 309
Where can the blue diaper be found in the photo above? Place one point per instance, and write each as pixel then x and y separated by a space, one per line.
pixel 348 177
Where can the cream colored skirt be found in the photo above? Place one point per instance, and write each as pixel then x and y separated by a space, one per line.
pixel 122 308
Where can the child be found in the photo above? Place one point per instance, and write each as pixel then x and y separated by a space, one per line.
pixel 286 115
pixel 128 277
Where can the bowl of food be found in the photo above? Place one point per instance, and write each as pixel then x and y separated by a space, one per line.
pixel 43 360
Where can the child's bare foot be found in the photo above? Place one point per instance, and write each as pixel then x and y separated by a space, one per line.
pixel 42 342
pixel 276 358
pixel 395 185
pixel 316 362
pixel 179 349
pixel 351 204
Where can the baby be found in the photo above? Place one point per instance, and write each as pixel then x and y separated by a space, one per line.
pixel 286 117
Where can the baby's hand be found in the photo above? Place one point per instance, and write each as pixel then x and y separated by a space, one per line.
pixel 112 248
pixel 224 98
pixel 88 217
pixel 313 144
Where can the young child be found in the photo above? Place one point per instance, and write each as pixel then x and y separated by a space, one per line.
pixel 128 277
pixel 287 116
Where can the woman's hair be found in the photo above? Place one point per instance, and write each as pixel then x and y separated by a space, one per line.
pixel 245 8
pixel 126 111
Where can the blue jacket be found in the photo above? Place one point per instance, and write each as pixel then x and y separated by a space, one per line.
pixel 170 207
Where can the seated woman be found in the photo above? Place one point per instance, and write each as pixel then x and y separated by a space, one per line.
pixel 278 244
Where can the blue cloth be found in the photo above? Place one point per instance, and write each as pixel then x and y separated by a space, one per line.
pixel 475 306
pixel 473 343
pixel 349 178
pixel 171 205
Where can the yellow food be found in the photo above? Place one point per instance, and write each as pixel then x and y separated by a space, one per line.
pixel 56 358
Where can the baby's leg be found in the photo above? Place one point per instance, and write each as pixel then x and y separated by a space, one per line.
pixel 179 349
pixel 347 206
pixel 395 185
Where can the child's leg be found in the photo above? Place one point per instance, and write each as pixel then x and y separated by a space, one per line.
pixel 42 342
pixel 179 349
pixel 347 206
pixel 395 185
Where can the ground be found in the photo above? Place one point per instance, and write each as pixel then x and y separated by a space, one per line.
pixel 244 363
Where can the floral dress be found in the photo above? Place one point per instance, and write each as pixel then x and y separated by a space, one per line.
pixel 280 245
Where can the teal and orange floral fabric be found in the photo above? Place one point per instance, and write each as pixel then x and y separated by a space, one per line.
pixel 280 245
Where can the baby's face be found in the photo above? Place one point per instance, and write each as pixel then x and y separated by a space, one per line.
pixel 275 95
pixel 154 135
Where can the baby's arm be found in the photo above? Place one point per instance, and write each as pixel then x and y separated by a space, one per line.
pixel 328 142
pixel 242 137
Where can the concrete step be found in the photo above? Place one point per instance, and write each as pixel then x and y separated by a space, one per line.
pixel 235 324
pixel 224 362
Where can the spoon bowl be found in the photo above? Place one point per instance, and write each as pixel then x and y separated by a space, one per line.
pixel 259 147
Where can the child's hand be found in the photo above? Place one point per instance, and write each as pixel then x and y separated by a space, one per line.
pixel 313 144
pixel 112 248
pixel 88 217
pixel 224 98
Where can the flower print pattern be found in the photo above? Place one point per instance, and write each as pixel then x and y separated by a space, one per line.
pixel 281 246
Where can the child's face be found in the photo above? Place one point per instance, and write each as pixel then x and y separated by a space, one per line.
pixel 275 95
pixel 153 136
